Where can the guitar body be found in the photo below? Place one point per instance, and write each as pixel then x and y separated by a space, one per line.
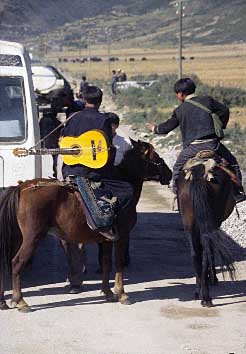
pixel 93 149
pixel 90 149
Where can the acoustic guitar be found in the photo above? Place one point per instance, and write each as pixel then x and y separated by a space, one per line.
pixel 90 149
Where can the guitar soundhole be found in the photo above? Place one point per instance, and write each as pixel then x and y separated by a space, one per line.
pixel 77 150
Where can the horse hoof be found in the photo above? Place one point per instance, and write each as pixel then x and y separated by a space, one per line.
pixel 126 302
pixel 25 309
pixel 111 298
pixel 13 304
pixel 207 303
pixel 4 306
pixel 75 289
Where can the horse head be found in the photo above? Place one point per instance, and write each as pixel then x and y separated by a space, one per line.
pixel 152 165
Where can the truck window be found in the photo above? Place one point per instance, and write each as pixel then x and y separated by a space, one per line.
pixel 12 110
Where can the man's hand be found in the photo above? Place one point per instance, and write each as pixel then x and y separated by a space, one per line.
pixel 150 126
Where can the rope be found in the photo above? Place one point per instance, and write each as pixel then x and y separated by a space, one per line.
pixel 54 130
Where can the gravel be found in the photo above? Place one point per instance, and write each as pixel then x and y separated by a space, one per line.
pixel 235 226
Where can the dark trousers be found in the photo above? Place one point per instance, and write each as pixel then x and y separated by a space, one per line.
pixel 192 149
pixel 113 88
pixel 76 257
pixel 124 193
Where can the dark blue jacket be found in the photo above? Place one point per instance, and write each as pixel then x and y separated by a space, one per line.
pixel 194 122
pixel 81 122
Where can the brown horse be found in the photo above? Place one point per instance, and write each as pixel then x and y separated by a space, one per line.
pixel 204 205
pixel 28 211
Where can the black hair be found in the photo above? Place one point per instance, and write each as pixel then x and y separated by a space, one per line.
pixel 185 86
pixel 113 71
pixel 114 118
pixel 93 95
pixel 84 78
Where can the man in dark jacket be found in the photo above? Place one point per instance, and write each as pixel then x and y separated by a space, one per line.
pixel 47 124
pixel 197 128
pixel 114 81
pixel 83 86
pixel 111 196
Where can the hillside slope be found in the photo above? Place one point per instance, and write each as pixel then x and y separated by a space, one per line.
pixel 132 21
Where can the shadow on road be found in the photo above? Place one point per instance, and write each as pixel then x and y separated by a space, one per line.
pixel 235 291
pixel 159 251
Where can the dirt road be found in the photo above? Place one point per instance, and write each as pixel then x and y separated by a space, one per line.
pixel 163 320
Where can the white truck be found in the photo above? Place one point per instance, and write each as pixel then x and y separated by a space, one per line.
pixel 18 115
pixel 47 80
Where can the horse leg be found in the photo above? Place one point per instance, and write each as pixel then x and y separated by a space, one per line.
pixel 196 255
pixel 197 264
pixel 206 300
pixel 106 269
pixel 120 251
pixel 76 259
pixel 3 305
pixel 18 263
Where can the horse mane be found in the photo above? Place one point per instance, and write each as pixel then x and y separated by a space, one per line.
pixel 131 168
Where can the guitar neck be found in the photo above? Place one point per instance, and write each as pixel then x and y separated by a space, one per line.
pixel 55 151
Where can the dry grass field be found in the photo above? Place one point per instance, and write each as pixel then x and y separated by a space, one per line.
pixel 214 65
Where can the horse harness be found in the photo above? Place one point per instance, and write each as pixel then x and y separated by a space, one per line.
pixel 67 184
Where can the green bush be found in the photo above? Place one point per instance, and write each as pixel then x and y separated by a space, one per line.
pixel 161 93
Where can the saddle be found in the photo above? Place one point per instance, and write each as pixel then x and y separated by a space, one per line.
pixel 98 205
pixel 210 160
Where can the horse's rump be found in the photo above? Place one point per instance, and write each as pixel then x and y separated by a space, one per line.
pixel 9 199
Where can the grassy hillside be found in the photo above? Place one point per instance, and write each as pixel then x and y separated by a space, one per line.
pixel 130 22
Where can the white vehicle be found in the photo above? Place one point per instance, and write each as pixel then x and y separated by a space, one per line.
pixel 18 115
pixel 124 85
pixel 47 79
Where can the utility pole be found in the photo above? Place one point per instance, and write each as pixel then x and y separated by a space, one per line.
pixel 108 33
pixel 180 12
pixel 80 54
pixel 89 48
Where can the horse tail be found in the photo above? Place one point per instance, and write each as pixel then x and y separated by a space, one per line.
pixel 212 239
pixel 10 235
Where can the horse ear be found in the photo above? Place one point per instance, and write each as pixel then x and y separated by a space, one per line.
pixel 133 142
